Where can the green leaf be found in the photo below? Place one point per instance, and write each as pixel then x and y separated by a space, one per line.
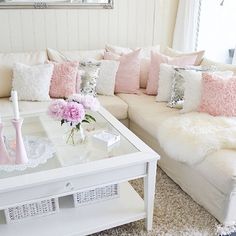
pixel 62 122
pixel 89 117
pixel 78 126
pixel 93 118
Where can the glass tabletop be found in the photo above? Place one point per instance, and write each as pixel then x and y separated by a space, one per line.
pixel 41 125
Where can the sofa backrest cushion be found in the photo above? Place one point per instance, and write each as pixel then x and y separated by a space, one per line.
pixel 7 60
pixel 174 53
pixel 57 56
pixel 219 66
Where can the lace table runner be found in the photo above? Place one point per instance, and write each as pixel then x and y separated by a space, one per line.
pixel 38 149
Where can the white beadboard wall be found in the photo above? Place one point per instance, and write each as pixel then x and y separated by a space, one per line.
pixel 131 23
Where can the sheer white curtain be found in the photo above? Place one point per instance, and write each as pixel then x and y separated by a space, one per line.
pixel 187 25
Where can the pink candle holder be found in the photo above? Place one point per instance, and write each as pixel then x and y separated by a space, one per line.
pixel 4 157
pixel 21 155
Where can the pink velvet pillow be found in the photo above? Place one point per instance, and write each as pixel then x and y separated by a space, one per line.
pixel 127 76
pixel 218 95
pixel 64 79
pixel 156 60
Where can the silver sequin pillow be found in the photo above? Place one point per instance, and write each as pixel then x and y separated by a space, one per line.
pixel 177 88
pixel 89 76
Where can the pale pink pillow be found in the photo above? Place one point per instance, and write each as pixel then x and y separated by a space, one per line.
pixel 218 95
pixel 127 76
pixel 156 60
pixel 64 77
pixel 145 55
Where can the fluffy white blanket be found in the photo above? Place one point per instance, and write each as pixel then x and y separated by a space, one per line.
pixel 189 138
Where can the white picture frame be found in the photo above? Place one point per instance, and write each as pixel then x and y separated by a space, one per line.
pixel 56 4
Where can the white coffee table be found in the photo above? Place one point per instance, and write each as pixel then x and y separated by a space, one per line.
pixel 80 168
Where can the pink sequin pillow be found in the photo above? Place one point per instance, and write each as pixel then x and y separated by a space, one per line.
pixel 156 60
pixel 127 76
pixel 218 95
pixel 64 79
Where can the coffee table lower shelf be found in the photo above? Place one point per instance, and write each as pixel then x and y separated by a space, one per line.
pixel 83 220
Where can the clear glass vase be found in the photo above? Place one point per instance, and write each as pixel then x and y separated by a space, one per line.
pixel 75 136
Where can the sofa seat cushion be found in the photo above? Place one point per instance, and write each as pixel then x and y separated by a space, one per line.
pixel 25 107
pixel 218 168
pixel 113 104
pixel 146 112
pixel 116 106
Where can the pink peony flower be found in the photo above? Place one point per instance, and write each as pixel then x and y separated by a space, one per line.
pixel 77 97
pixel 56 109
pixel 74 112
pixel 91 103
pixel 88 101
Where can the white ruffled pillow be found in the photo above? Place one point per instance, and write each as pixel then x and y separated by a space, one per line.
pixel 165 82
pixel 107 77
pixel 193 88
pixel 32 82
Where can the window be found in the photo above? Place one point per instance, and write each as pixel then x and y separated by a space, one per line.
pixel 217 32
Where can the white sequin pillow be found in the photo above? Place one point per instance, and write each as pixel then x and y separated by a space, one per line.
pixel 32 82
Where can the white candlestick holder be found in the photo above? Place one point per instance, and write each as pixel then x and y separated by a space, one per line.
pixel 21 155
pixel 4 157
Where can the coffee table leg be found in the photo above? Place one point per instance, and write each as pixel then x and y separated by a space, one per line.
pixel 149 193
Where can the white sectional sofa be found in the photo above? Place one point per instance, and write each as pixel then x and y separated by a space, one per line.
pixel 211 183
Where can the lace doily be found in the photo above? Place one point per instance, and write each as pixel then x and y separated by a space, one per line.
pixel 38 149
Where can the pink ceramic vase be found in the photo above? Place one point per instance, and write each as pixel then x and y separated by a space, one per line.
pixel 4 157
pixel 21 155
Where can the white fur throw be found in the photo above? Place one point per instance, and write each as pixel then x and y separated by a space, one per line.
pixel 189 138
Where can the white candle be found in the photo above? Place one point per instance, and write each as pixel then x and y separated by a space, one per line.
pixel 14 98
pixel 0 119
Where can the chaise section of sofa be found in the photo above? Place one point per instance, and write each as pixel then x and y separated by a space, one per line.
pixel 211 183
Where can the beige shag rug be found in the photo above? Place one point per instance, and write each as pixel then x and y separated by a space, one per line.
pixel 175 214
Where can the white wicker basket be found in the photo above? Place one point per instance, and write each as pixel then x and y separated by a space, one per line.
pixel 96 195
pixel 29 210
